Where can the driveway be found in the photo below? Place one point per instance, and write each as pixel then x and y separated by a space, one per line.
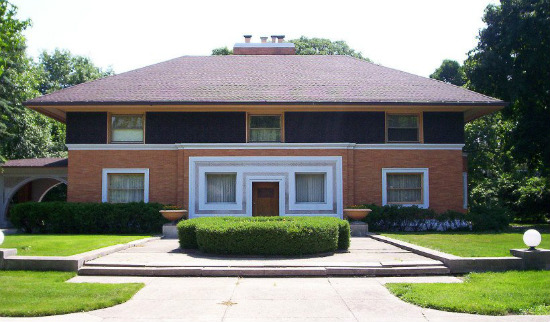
pixel 268 299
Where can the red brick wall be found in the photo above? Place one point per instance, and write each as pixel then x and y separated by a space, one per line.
pixel 444 171
pixel 264 51
pixel 362 172
pixel 85 169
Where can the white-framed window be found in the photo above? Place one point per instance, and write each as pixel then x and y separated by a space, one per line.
pixel 402 128
pixel 125 185
pixel 310 187
pixel 405 186
pixel 264 128
pixel 127 128
pixel 221 187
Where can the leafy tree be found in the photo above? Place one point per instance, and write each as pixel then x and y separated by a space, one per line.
pixel 496 176
pixel 12 42
pixel 323 46
pixel 451 72
pixel 25 133
pixel 311 46
pixel 512 62
pixel 61 69
pixel 509 161
pixel 13 71
pixel 221 51
pixel 31 134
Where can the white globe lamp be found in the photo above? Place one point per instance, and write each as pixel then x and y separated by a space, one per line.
pixel 1 237
pixel 532 238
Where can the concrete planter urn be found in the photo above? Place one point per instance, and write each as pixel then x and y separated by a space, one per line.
pixel 356 214
pixel 173 215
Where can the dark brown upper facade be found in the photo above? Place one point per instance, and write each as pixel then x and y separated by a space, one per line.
pixel 296 127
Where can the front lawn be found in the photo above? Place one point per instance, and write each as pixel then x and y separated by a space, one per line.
pixel 469 244
pixel 62 245
pixel 24 293
pixel 483 293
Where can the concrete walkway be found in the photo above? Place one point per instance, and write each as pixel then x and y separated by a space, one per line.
pixel 166 252
pixel 268 299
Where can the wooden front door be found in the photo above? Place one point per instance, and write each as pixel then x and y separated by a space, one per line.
pixel 265 199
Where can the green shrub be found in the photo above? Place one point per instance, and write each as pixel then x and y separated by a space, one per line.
pixel 344 235
pixel 264 235
pixel 87 218
pixel 187 234
pixel 489 217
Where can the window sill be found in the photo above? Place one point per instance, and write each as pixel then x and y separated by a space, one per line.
pixel 404 142
pixel 127 142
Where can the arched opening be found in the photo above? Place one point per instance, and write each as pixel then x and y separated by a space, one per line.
pixel 38 190
pixel 57 192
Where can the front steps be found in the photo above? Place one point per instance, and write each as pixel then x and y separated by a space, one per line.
pixel 265 271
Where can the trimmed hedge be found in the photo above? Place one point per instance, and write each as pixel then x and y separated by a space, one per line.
pixel 187 233
pixel 264 235
pixel 87 218
pixel 344 234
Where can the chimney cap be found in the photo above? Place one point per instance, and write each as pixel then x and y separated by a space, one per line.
pixel 247 36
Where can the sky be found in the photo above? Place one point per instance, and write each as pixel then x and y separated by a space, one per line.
pixel 413 36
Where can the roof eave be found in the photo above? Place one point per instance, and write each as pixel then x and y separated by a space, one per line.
pixel 36 105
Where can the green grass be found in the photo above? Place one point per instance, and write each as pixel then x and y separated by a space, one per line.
pixel 483 293
pixel 469 244
pixel 24 293
pixel 62 245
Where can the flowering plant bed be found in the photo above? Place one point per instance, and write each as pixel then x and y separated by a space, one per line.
pixel 264 235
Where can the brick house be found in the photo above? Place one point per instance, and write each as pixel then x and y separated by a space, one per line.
pixel 267 132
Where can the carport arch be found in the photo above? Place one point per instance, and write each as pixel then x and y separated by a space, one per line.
pixel 48 190
pixel 17 187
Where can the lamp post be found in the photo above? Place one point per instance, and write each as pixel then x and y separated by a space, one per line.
pixel 1 237
pixel 533 258
pixel 532 238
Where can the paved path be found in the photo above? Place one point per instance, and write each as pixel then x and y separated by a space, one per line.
pixel 268 299
pixel 166 252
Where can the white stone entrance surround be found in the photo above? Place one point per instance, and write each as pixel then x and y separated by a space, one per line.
pixel 265 169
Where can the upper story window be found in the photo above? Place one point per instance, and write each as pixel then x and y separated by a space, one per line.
pixel 403 128
pixel 264 128
pixel 127 128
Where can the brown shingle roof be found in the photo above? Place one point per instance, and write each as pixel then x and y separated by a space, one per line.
pixel 264 79
pixel 32 163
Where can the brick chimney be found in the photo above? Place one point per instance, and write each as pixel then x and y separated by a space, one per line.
pixel 278 47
